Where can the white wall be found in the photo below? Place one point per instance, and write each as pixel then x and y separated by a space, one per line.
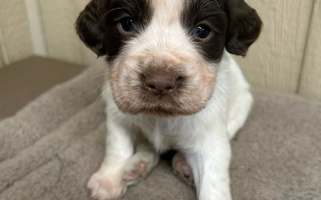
pixel 15 36
pixel 275 60
pixel 62 40
pixel 310 82
pixel 36 27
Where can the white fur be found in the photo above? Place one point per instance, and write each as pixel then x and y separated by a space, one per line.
pixel 203 137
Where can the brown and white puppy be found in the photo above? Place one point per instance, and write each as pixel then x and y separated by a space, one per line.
pixel 171 84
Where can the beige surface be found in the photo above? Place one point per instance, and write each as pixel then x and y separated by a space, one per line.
pixel 311 74
pixel 15 38
pixel 25 80
pixel 275 61
pixel 1 59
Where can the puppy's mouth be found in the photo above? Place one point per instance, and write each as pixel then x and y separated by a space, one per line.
pixel 157 102
pixel 162 90
pixel 157 106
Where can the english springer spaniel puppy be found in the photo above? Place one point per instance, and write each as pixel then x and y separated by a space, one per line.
pixel 171 84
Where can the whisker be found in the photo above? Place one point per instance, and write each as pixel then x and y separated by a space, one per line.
pixel 98 88
pixel 98 76
pixel 100 96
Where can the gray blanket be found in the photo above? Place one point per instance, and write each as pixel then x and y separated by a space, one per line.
pixel 52 146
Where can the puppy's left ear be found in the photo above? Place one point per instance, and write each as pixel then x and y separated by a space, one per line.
pixel 89 28
pixel 244 27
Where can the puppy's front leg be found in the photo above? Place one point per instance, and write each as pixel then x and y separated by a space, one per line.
pixel 107 182
pixel 210 164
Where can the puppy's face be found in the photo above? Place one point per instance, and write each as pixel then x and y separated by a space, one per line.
pixel 164 54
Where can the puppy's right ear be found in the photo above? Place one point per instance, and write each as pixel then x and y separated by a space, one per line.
pixel 89 28
pixel 244 27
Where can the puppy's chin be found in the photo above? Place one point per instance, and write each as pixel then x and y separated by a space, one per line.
pixel 169 106
pixel 158 111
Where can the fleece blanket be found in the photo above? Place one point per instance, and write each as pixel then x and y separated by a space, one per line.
pixel 52 146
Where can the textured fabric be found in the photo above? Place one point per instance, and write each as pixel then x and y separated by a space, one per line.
pixel 52 146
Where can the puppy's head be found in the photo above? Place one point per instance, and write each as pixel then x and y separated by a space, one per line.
pixel 164 54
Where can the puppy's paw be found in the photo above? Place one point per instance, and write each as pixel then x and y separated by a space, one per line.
pixel 106 187
pixel 138 167
pixel 182 169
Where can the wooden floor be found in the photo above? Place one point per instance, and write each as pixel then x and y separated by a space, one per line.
pixel 25 80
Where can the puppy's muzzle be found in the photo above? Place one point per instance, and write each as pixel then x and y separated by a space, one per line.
pixel 161 83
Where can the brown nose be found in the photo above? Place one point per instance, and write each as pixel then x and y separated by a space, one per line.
pixel 160 83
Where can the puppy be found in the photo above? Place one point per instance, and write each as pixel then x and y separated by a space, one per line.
pixel 171 84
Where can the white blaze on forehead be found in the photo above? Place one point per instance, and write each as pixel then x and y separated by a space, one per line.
pixel 167 11
pixel 165 36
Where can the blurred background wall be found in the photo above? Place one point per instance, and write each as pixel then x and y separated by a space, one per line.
pixel 15 35
pixel 286 58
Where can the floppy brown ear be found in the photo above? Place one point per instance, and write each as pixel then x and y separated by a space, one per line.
pixel 89 28
pixel 244 27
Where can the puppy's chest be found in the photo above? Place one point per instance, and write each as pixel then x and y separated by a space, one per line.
pixel 163 134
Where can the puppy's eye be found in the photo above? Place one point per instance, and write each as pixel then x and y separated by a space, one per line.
pixel 202 32
pixel 126 25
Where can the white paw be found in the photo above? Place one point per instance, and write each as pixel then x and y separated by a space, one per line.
pixel 104 186
pixel 138 167
pixel 182 169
